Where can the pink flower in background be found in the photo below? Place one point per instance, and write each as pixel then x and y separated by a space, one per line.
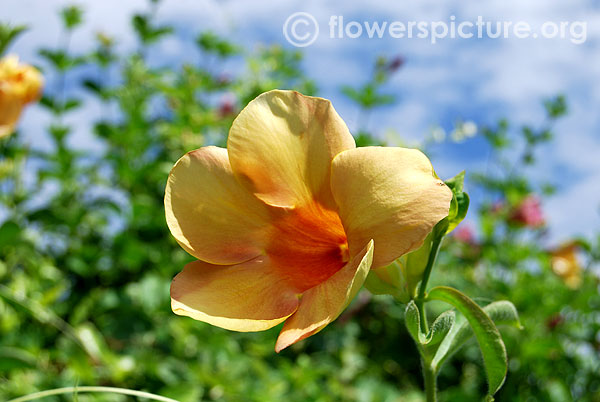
pixel 464 233
pixel 226 107
pixel 529 212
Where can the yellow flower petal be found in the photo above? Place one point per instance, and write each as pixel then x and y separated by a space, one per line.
pixel 281 146
pixel 209 213
pixel 390 195
pixel 565 264
pixel 19 84
pixel 11 106
pixel 325 302
pixel 244 297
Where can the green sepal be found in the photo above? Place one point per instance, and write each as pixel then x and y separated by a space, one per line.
pixel 395 285
pixel 460 201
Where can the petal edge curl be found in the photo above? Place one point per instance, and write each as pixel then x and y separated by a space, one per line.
pixel 209 213
pixel 281 146
pixel 323 303
pixel 390 195
pixel 245 297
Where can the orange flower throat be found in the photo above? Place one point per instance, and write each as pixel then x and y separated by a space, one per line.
pixel 308 245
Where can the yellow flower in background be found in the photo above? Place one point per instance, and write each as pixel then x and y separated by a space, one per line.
pixel 566 265
pixel 20 84
pixel 287 221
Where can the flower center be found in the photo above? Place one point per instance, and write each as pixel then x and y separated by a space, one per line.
pixel 308 245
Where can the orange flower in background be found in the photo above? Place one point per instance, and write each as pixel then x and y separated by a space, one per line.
pixel 287 221
pixel 20 84
pixel 566 265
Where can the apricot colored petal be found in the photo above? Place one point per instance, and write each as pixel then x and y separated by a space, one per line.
pixel 10 110
pixel 246 297
pixel 209 213
pixel 323 303
pixel 281 147
pixel 390 195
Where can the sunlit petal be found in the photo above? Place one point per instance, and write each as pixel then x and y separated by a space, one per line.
pixel 390 195
pixel 281 146
pixel 209 213
pixel 244 297
pixel 325 302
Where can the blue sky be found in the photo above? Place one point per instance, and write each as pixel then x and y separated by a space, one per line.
pixel 455 79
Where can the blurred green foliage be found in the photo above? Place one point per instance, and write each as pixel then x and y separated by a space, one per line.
pixel 86 258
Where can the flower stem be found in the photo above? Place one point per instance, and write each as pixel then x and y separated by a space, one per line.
pixel 435 247
pixel 429 374
pixel 430 380
pixel 70 390
pixel 420 300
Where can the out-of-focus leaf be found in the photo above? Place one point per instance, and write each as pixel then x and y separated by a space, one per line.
pixel 8 34
pixel 72 17
pixel 9 233
pixel 12 358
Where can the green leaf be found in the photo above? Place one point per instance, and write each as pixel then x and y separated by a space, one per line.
pixel 211 43
pixel 439 329
pixel 367 96
pixel 487 335
pixel 556 107
pixel 93 86
pixel 146 32
pixel 8 34
pixel 364 139
pixel 501 312
pixel 71 104
pixel 59 132
pixel 12 358
pixel 93 342
pixel 72 16
pixel 412 321
pixel 10 233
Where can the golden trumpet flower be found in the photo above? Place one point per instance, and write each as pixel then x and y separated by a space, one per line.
pixel 566 265
pixel 287 221
pixel 20 84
